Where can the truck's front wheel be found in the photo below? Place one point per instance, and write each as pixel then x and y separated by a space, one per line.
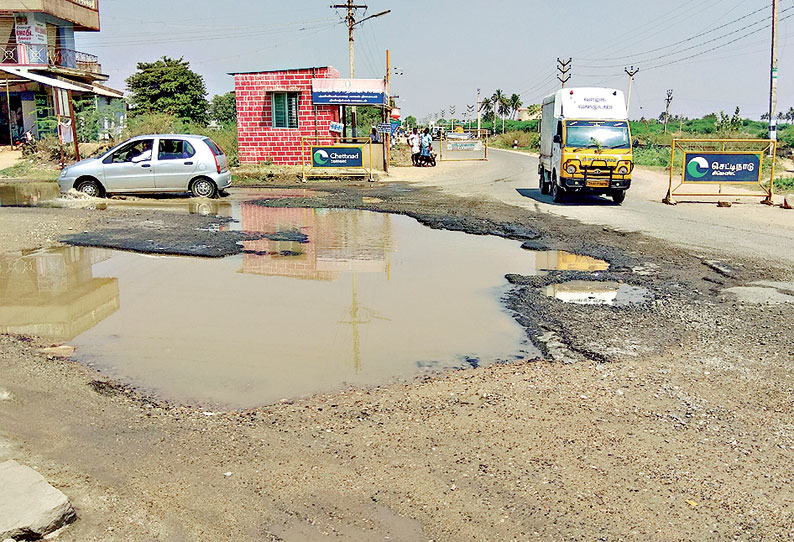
pixel 558 193
pixel 543 183
pixel 618 196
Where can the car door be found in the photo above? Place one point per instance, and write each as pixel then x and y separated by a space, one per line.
pixel 129 168
pixel 175 163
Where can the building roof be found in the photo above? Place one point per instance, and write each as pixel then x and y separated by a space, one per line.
pixel 281 70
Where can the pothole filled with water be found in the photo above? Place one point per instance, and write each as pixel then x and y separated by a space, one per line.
pixel 587 292
pixel 336 298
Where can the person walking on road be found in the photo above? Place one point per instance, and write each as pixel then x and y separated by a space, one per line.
pixel 426 143
pixel 414 141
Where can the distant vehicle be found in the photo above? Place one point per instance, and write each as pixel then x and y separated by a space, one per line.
pixel 585 144
pixel 152 163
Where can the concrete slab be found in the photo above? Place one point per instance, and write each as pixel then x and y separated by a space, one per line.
pixel 30 508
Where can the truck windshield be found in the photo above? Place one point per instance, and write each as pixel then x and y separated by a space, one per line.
pixel 612 134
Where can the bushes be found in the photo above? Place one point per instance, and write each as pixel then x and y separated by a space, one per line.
pixel 526 140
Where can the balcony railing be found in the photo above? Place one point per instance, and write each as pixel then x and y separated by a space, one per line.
pixel 48 55
pixel 90 4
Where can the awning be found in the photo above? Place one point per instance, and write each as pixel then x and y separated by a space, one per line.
pixel 108 92
pixel 44 80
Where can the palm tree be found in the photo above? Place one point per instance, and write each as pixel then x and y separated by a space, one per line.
pixel 790 115
pixel 498 104
pixel 515 104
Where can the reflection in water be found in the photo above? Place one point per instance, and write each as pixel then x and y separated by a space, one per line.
pixel 387 298
pixel 27 193
pixel 585 292
pixel 558 260
pixel 54 293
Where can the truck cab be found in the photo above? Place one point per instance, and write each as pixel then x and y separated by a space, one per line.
pixel 585 144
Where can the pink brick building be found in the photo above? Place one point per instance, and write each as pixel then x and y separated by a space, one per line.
pixel 275 109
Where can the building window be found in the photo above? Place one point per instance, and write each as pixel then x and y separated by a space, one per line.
pixel 285 110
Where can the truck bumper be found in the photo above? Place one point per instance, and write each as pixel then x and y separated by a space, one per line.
pixel 595 185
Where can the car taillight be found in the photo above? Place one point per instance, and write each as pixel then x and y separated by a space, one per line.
pixel 217 164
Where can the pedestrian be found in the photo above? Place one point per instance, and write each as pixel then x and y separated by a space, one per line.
pixel 414 141
pixel 373 136
pixel 426 144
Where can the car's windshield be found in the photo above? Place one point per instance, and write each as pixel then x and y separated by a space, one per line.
pixel 597 134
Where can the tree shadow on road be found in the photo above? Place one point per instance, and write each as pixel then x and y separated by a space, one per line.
pixel 590 200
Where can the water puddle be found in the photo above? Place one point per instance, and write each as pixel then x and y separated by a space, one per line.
pixel 586 292
pixel 26 194
pixel 330 299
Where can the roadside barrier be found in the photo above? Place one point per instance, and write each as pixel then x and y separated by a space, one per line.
pixel 336 159
pixel 722 162
pixel 463 149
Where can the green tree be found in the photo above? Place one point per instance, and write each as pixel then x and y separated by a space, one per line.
pixel 168 86
pixel 410 120
pixel 223 109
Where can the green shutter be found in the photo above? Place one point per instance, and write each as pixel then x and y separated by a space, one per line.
pixel 279 110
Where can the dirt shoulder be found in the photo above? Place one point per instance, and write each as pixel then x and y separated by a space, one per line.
pixel 673 422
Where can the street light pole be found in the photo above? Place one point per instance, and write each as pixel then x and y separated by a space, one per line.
pixel 773 78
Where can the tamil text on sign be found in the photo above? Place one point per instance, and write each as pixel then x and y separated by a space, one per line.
pixel 727 167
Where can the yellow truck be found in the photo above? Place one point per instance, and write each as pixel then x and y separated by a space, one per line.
pixel 585 144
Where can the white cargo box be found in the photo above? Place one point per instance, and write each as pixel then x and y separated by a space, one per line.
pixel 588 103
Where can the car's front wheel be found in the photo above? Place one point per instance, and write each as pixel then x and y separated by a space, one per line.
pixel 204 188
pixel 618 195
pixel 90 187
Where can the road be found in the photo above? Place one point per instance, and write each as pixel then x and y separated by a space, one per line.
pixel 747 229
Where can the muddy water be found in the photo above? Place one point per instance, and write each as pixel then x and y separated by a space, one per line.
pixel 337 298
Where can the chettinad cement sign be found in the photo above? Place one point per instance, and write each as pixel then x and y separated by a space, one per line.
pixel 337 156
pixel 722 167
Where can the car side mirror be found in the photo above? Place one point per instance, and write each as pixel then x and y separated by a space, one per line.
pixel 557 139
pixel 635 142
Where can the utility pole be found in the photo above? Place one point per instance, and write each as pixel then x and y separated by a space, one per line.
pixel 631 72
pixel 563 66
pixel 452 116
pixel 667 108
pixel 773 78
pixel 351 23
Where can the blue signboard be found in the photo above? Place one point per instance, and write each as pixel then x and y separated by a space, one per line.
pixel 337 156
pixel 728 167
pixel 338 97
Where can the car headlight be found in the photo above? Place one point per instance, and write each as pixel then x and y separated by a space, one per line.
pixel 571 169
pixel 623 170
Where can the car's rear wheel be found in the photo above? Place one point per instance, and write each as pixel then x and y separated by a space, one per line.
pixel 90 187
pixel 204 188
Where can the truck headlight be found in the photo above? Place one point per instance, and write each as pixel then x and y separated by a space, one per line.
pixel 623 170
pixel 571 169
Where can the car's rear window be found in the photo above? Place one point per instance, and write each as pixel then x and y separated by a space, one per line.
pixel 216 150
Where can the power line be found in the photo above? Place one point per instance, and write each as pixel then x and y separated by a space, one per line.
pixel 676 43
pixel 646 60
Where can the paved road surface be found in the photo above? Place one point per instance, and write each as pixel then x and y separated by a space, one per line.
pixel 747 229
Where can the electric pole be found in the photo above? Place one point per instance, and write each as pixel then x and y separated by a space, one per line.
pixel 773 78
pixel 631 72
pixel 667 108
pixel 563 66
pixel 351 23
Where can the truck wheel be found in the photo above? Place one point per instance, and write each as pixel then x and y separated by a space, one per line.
pixel 544 186
pixel 618 196
pixel 557 192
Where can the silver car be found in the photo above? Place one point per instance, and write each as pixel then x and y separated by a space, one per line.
pixel 153 163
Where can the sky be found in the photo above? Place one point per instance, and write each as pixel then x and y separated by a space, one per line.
pixel 713 54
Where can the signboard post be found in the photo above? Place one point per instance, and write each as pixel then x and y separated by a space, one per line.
pixel 722 162
pixel 336 160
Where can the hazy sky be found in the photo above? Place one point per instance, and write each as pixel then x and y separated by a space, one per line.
pixel 449 48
